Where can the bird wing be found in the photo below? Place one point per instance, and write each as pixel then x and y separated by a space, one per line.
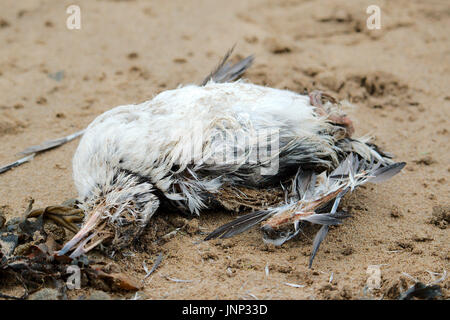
pixel 311 194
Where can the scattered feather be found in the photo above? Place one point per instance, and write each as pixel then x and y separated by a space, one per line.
pixel 58 76
pixel 17 163
pixel 136 296
pixel 321 234
pixel 30 152
pixel 155 265
pixel 252 295
pixel 47 145
pixel 294 285
pixel 170 234
pixel 177 280
pixel 410 277
pixel 439 280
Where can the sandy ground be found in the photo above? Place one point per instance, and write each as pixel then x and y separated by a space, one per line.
pixel 128 51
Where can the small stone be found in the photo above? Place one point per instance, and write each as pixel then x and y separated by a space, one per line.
pixel 179 60
pixel 441 212
pixel 45 294
pixel 342 16
pixel 347 251
pixel 441 216
pixel 282 268
pixel 41 100
pixel 269 247
pixel 346 292
pixel 427 160
pixel 227 244
pixel 133 55
pixel 192 226
pixel 177 221
pixel 277 46
pixel 21 13
pixel 209 256
pixel 251 39
pixel 4 23
pixel 422 238
pixel 395 212
pixel 405 245
pixel 326 286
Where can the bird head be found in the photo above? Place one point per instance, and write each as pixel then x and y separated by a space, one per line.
pixel 116 213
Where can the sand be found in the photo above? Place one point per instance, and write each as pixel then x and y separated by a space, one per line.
pixel 128 51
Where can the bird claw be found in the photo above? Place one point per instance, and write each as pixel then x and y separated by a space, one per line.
pixel 64 215
pixel 67 215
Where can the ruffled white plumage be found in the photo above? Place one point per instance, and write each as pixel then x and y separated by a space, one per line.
pixel 192 127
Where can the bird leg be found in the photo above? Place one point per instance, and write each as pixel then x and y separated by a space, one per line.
pixel 315 99
pixel 64 215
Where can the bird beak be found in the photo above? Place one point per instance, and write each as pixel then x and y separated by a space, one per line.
pixel 91 232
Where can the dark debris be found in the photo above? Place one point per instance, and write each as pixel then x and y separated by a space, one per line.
pixel 28 258
pixel 421 291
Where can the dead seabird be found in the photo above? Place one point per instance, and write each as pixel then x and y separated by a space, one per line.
pixel 186 146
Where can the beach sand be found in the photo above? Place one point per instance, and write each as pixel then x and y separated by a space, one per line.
pixel 55 81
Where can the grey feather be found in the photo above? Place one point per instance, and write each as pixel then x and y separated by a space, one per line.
pixel 323 219
pixel 317 241
pixel 226 72
pixel 303 182
pixel 51 143
pixel 338 200
pixel 16 163
pixel 385 173
pixel 239 225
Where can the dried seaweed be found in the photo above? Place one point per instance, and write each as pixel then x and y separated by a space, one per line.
pixel 28 257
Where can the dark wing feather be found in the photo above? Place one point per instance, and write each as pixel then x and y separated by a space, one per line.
pixel 239 225
pixel 317 241
pixel 226 72
pixel 385 173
